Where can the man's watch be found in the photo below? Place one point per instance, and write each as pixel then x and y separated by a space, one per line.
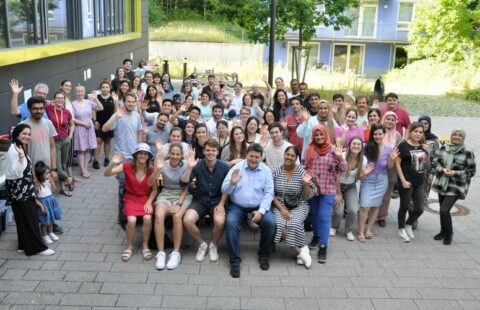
pixel 54 169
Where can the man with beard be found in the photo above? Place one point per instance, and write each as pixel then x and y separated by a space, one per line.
pixel 127 127
pixel 40 90
pixel 303 89
pixel 216 116
pixel 294 86
pixel 158 131
pixel 42 143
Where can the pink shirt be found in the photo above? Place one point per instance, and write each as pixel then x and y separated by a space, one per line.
pixel 60 120
pixel 403 118
pixel 352 132
pixel 292 124
pixel 326 171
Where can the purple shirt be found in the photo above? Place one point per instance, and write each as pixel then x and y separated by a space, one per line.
pixel 355 131
pixel 382 162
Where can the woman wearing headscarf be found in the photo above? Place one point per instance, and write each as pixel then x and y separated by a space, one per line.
pixel 326 164
pixel 454 167
pixel 393 139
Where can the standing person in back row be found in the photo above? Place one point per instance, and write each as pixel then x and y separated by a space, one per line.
pixel 403 117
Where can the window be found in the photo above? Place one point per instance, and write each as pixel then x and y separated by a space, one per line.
pixel 348 58
pixel 364 20
pixel 33 22
pixel 405 15
pixel 313 55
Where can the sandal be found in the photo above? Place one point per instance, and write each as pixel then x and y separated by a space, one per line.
pixel 66 192
pixel 147 254
pixel 361 238
pixel 368 235
pixel 69 184
pixel 85 175
pixel 126 255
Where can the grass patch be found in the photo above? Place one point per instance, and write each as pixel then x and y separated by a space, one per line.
pixel 197 31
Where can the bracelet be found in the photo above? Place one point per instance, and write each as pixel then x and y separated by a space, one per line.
pixel 54 169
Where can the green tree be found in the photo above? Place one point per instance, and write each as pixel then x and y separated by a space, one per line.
pixel 447 30
pixel 292 15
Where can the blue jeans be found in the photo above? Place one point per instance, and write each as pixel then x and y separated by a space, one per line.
pixel 321 212
pixel 236 215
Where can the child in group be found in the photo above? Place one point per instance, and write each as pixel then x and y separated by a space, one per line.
pixel 49 210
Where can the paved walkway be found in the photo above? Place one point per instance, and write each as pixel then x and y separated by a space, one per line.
pixel 86 271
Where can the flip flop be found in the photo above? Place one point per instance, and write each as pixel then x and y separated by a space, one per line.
pixel 126 255
pixel 85 175
pixel 147 254
pixel 66 193
pixel 368 235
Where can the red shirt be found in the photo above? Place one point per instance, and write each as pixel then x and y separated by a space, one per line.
pixel 60 120
pixel 292 124
pixel 403 118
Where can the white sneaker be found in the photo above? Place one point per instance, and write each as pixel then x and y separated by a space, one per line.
pixel 305 257
pixel 53 236
pixel 202 250
pixel 47 240
pixel 350 236
pixel 174 260
pixel 47 252
pixel 299 261
pixel 403 235
pixel 160 260
pixel 212 252
pixel 409 230
pixel 333 232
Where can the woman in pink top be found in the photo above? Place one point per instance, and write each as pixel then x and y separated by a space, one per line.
pixel 349 129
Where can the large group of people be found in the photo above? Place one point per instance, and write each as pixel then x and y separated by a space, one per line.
pixel 284 160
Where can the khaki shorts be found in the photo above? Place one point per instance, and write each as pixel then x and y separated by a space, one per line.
pixel 170 196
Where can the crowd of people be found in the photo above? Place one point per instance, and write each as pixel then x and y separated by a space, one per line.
pixel 284 160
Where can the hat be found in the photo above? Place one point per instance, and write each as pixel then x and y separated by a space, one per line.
pixel 143 147
pixel 232 113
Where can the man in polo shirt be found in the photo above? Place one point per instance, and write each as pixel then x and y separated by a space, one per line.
pixel 250 186
pixel 204 178
pixel 22 111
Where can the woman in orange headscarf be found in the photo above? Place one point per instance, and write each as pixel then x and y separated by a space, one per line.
pixel 326 163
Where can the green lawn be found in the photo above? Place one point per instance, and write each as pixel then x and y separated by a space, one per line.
pixel 197 31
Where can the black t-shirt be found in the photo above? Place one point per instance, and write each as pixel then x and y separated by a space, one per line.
pixel 108 109
pixel 153 106
pixel 260 98
pixel 413 162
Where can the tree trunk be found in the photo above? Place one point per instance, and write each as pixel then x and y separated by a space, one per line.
pixel 300 52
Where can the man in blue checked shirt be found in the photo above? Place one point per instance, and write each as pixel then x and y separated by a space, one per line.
pixel 250 186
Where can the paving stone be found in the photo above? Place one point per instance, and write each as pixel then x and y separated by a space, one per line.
pixel 224 290
pixel 90 287
pixel 121 277
pixel 80 276
pixel 416 282
pixel 430 304
pixel 325 292
pixel 187 302
pixel 404 292
pixel 58 287
pixel 18 285
pixel 301 303
pixel 172 290
pixel 394 304
pixel 52 265
pixel 371 282
pixel 44 275
pixel 96 257
pixel 86 266
pixel 127 288
pixel 153 301
pixel 13 274
pixel 89 300
pixel 366 292
pixel 305 281
pixel 223 303
pixel 444 293
pixel 261 303
pixel 345 304
pixel 167 278
pixel 37 298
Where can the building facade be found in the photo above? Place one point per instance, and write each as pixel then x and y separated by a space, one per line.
pixel 49 41
pixel 374 44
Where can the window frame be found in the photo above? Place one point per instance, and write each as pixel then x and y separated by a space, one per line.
pixel 404 23
pixel 361 22
pixel 347 64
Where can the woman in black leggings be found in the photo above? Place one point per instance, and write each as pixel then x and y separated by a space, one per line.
pixel 454 167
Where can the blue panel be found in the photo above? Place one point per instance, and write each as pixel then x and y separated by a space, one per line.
pixel 325 50
pixel 280 52
pixel 377 58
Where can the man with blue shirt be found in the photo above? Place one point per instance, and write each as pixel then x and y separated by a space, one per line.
pixel 250 186
pixel 40 90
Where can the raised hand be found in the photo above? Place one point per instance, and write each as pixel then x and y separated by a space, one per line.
pixel 115 96
pixel 93 95
pixel 184 107
pixel 144 105
pixel 191 161
pixel 369 168
pixel 307 176
pixel 306 114
pixel 117 158
pixel 394 154
pixel 264 138
pixel 120 112
pixel 159 145
pixel 284 124
pixel 16 89
pixel 18 149
pixel 159 161
pixel 338 149
pixel 236 177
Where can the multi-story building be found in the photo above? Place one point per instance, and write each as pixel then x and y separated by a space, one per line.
pixel 80 40
pixel 374 44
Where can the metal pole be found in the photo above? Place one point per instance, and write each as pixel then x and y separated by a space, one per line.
pixel 184 67
pixel 271 46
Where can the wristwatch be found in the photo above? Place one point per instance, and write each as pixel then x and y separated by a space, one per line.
pixel 54 169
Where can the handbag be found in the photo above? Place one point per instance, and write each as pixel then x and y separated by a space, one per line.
pixel 291 201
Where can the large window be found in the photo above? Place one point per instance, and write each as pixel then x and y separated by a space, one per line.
pixel 32 22
pixel 348 58
pixel 405 15
pixel 364 20
pixel 311 54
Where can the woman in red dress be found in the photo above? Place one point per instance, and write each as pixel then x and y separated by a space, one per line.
pixel 138 199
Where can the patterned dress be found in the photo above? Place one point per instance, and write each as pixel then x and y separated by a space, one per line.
pixel 295 235
pixel 84 139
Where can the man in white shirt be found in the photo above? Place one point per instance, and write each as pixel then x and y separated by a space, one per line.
pixel 275 150
pixel 217 113
pixel 237 98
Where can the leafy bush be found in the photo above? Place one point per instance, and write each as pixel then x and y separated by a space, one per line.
pixel 184 14
pixel 156 17
pixel 473 94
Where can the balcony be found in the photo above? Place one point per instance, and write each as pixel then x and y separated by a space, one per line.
pixel 362 32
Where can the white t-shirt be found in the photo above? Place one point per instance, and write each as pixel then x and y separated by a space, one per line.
pixel 351 178
pixel 274 155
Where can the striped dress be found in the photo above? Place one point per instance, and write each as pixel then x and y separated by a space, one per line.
pixel 295 235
